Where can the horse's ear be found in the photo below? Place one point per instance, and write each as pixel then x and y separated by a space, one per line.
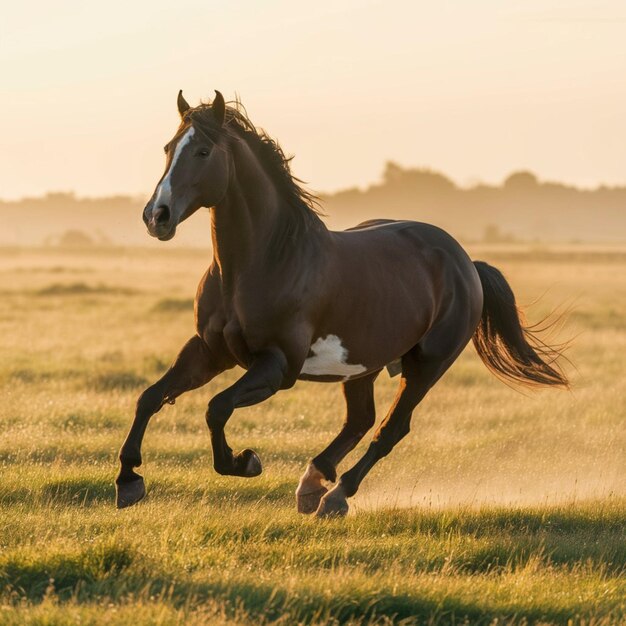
pixel 219 108
pixel 183 106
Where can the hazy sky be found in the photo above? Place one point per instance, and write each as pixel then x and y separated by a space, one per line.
pixel 474 89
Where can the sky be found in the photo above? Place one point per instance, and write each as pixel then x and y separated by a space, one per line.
pixel 475 89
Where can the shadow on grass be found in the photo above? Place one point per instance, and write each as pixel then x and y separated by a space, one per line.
pixel 37 375
pixel 78 491
pixel 31 576
pixel 566 535
pixel 86 492
pixel 81 492
pixel 52 454
pixel 79 289
pixel 112 573
pixel 486 522
pixel 119 380
pixel 112 380
pixel 235 491
pixel 173 305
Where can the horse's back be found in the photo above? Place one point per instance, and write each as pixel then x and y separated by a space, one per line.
pixel 398 237
pixel 421 255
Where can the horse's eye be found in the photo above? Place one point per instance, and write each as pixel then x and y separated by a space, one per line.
pixel 203 153
pixel 165 149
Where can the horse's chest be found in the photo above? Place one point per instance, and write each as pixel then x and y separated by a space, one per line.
pixel 329 357
pixel 236 342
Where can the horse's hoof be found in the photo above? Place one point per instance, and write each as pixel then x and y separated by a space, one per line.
pixel 129 493
pixel 249 462
pixel 333 504
pixel 309 502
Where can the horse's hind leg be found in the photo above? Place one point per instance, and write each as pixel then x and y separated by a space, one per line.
pixel 194 366
pixel 419 374
pixel 360 417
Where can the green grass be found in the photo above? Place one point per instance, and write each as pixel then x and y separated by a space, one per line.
pixel 254 553
pixel 497 509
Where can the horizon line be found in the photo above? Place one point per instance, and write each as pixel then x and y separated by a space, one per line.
pixel 327 194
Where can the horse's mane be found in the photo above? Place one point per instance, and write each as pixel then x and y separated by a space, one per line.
pixel 303 209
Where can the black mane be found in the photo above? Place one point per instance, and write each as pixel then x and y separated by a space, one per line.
pixel 303 210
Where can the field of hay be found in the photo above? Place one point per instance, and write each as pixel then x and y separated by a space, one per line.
pixel 497 508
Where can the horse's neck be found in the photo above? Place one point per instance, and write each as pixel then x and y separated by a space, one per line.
pixel 243 223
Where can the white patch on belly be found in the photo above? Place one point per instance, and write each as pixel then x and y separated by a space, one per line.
pixel 330 358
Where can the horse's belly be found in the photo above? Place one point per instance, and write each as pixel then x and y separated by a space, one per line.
pixel 359 344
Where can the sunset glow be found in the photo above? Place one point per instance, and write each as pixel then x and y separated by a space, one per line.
pixel 475 90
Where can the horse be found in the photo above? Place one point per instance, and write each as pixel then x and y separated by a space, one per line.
pixel 286 299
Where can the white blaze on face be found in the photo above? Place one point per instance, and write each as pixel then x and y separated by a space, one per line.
pixel 164 190
pixel 330 358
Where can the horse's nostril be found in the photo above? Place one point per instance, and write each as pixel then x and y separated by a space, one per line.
pixel 161 214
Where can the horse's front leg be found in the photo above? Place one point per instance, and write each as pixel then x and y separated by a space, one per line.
pixel 195 366
pixel 263 379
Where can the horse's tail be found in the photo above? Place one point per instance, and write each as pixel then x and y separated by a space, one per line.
pixel 511 349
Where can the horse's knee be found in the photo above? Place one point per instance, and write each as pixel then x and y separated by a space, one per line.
pixel 150 401
pixel 219 410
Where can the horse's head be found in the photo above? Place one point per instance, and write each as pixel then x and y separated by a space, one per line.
pixel 196 170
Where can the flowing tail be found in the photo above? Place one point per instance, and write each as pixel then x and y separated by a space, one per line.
pixel 512 350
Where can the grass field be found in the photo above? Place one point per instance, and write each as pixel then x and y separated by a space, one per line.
pixel 498 508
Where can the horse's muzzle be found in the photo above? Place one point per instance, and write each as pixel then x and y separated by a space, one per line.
pixel 159 221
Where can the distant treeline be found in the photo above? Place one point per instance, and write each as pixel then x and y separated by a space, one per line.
pixel 523 208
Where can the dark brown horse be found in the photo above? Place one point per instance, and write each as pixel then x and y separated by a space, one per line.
pixel 287 299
